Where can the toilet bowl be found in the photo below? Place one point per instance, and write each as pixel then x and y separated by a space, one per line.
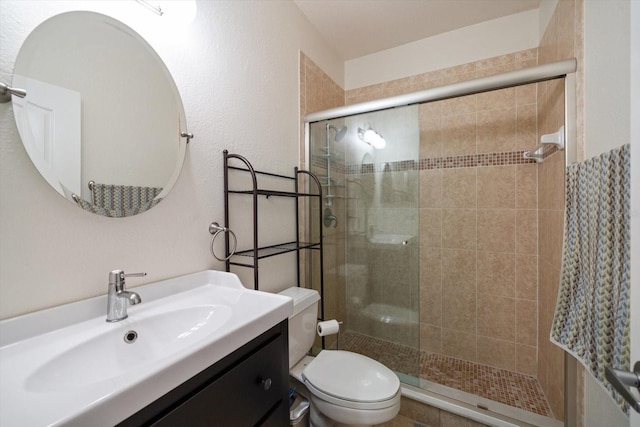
pixel 350 389
pixel 345 388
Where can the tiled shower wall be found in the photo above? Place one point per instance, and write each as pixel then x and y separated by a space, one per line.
pixel 318 92
pixel 478 278
pixel 562 40
pixel 478 219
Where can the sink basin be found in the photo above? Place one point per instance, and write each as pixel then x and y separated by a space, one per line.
pixel 390 239
pixel 107 355
pixel 68 366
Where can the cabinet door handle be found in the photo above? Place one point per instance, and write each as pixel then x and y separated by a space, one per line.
pixel 266 384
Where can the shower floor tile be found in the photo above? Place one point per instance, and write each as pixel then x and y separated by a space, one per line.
pixel 397 357
pixel 510 388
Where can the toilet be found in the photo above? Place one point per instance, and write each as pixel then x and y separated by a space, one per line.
pixel 345 388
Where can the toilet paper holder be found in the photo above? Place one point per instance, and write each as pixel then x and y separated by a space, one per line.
pixel 329 327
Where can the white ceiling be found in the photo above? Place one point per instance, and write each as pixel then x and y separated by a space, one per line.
pixel 356 28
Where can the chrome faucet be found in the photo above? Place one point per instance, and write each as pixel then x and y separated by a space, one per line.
pixel 118 296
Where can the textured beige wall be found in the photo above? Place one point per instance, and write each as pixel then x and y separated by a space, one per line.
pixel 496 37
pixel 240 92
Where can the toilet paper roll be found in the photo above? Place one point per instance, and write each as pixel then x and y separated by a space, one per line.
pixel 328 327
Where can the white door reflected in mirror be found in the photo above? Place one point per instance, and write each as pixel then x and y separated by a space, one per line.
pixel 49 124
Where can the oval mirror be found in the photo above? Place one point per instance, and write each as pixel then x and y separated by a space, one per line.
pixel 102 117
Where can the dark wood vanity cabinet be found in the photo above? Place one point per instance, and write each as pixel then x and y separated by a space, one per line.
pixel 249 387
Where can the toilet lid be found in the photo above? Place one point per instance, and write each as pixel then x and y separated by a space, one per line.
pixel 351 376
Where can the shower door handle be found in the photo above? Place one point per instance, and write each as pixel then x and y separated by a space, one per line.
pixel 623 380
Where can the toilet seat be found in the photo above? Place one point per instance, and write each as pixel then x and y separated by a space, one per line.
pixel 351 380
pixel 350 404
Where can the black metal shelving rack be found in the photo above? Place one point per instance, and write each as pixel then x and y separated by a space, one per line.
pixel 254 255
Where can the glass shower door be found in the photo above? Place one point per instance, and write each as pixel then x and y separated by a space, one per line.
pixel 372 255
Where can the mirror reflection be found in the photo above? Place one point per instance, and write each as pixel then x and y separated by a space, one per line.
pixel 102 117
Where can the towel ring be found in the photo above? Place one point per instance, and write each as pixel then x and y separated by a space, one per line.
pixel 215 229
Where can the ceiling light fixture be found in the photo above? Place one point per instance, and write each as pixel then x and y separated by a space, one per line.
pixel 372 138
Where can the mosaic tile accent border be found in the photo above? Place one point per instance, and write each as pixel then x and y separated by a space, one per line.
pixel 401 165
pixel 510 388
pixel 321 163
pixel 466 161
pixel 450 162
pixel 474 160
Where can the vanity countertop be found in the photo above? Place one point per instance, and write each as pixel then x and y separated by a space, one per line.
pixel 68 366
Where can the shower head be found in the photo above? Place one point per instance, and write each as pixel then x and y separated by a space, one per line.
pixel 340 133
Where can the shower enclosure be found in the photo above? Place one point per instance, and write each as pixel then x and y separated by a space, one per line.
pixel 431 243
pixel 371 218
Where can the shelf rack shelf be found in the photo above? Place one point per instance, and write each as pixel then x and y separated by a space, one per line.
pixel 249 258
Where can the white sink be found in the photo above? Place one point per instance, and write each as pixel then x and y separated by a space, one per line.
pixel 95 354
pixel 84 372
pixel 390 239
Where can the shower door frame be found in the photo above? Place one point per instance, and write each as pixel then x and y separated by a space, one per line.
pixel 565 70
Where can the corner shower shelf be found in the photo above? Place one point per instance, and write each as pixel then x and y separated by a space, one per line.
pixel 253 255
pixel 331 156
pixel 556 139
pixel 329 152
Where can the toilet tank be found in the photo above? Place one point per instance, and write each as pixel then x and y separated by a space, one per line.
pixel 302 323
